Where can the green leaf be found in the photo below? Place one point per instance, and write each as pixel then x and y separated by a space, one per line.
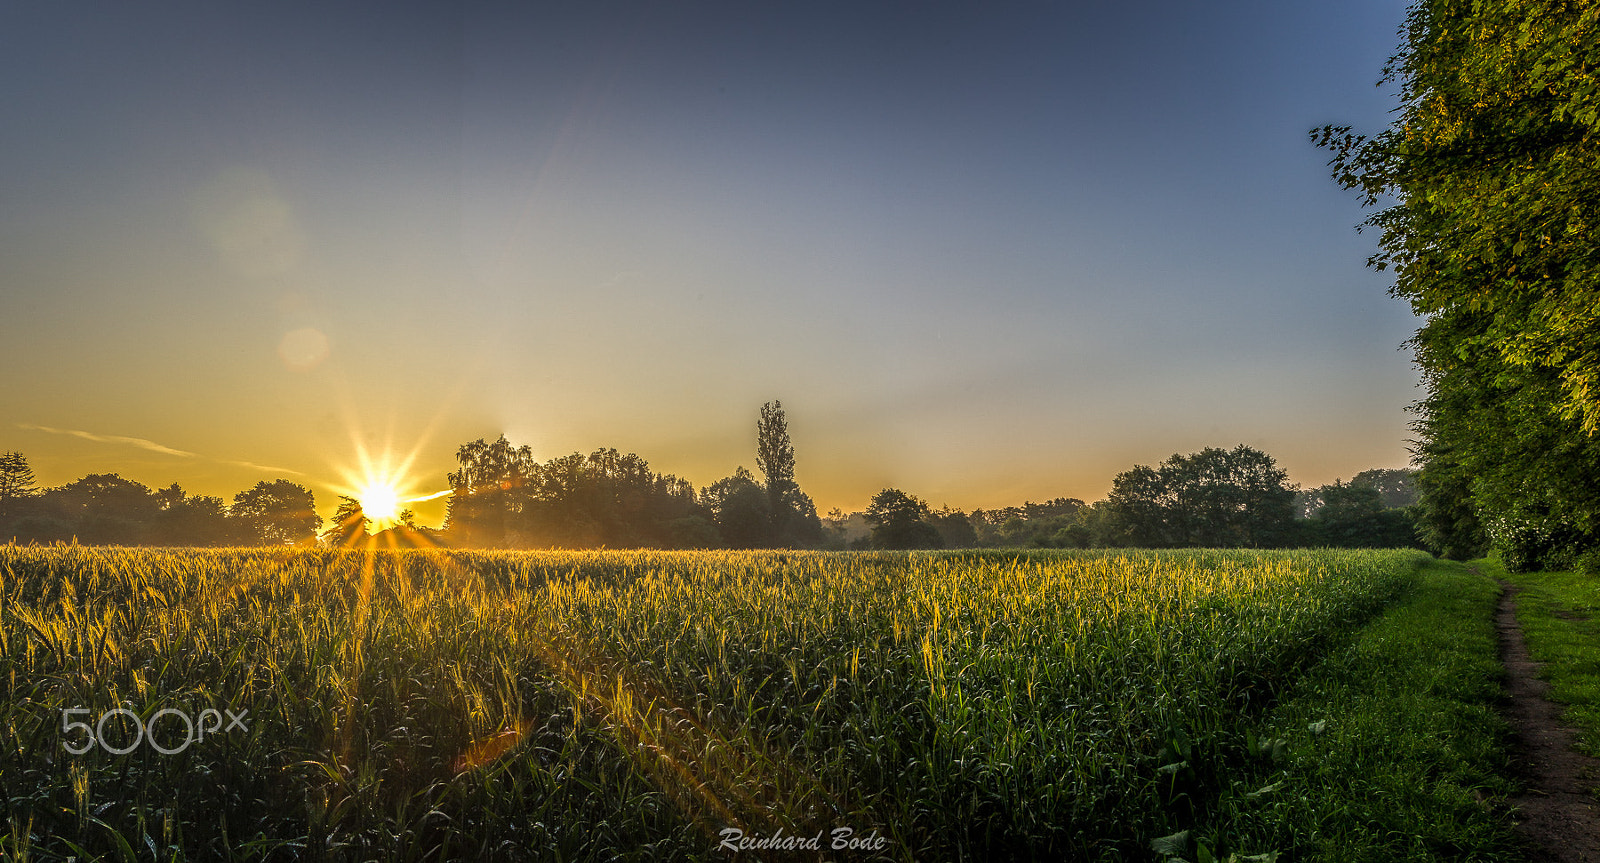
pixel 1266 789
pixel 1171 846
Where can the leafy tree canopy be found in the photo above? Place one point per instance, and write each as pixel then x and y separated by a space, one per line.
pixel 1212 498
pixel 277 513
pixel 1489 183
pixel 899 521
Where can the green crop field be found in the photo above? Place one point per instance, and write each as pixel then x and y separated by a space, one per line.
pixel 431 705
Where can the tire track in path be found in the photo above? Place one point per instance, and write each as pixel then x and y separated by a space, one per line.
pixel 1557 813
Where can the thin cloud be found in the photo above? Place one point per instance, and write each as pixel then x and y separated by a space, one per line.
pixel 261 467
pixel 111 438
pixel 152 446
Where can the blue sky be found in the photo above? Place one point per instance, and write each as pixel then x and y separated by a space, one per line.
pixel 984 253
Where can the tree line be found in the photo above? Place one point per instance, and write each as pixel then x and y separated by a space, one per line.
pixel 502 497
pixel 1216 498
pixel 106 509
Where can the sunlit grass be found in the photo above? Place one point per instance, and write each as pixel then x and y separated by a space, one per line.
pixel 1389 749
pixel 464 705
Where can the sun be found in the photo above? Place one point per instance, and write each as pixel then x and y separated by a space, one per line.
pixel 382 484
pixel 381 503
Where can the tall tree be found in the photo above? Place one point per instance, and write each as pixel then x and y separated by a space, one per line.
pixel 16 484
pixel 277 513
pixel 775 460
pixel 1493 171
pixel 1138 512
pixel 612 499
pixel 954 527
pixel 774 452
pixel 793 514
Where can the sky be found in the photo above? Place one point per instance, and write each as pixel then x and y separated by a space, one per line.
pixel 985 253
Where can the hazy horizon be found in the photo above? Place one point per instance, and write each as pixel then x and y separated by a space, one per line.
pixel 430 506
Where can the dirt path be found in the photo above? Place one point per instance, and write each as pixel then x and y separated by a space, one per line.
pixel 1558 813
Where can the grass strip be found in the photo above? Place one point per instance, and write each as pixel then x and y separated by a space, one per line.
pixel 1389 749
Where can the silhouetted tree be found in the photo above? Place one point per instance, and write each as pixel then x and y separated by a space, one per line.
pixel 104 509
pixel 841 531
pixel 898 521
pixel 1349 516
pixel 276 513
pixel 190 520
pixel 1396 488
pixel 502 497
pixel 405 533
pixel 793 514
pixel 16 486
pixel 802 528
pixel 693 531
pixel 741 510
pixel 488 492
pixel 775 460
pixel 1140 510
pixel 609 498
pixel 954 527
pixel 1032 524
pixel 1213 498
pixel 1103 527
pixel 1075 534
pixel 1354 516
pixel 350 524
pixel 41 526
pixel 560 513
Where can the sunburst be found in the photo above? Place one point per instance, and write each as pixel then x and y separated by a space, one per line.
pixel 381 502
